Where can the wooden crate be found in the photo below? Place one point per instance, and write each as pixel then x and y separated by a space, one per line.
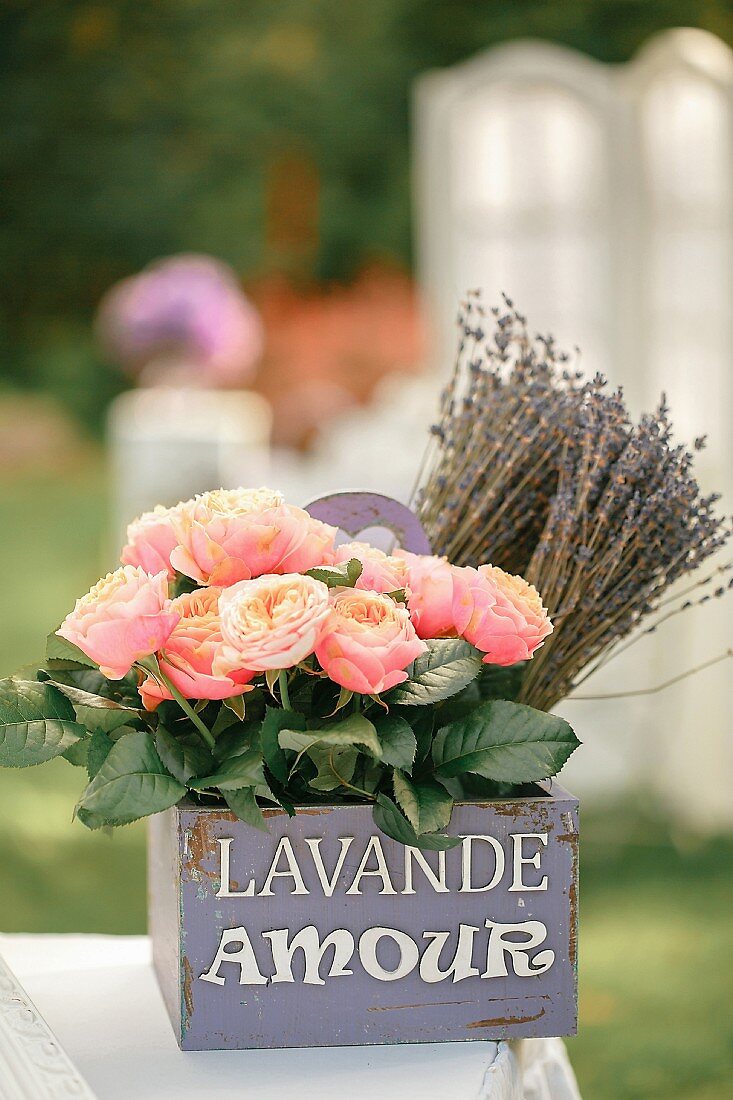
pixel 325 932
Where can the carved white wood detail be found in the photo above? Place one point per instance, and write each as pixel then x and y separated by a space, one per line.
pixel 33 1065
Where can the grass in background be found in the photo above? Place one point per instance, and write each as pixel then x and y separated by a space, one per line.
pixel 656 943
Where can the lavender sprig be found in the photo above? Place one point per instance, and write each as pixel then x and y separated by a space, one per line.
pixel 541 471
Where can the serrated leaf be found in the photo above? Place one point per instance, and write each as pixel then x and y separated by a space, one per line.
pixel 244 804
pixel 338 576
pixel 131 783
pixel 504 741
pixel 36 723
pixel 100 746
pixel 58 649
pixel 496 682
pixel 397 739
pixel 425 804
pixel 96 711
pixel 236 739
pixel 185 756
pixel 335 763
pixel 389 818
pixel 274 721
pixel 354 730
pixel 449 665
pixel 239 771
pixel 77 753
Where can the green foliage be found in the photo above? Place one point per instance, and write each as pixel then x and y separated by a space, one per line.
pixel 338 576
pixel 449 665
pixel 382 751
pixel 506 741
pixel 36 723
pixel 131 783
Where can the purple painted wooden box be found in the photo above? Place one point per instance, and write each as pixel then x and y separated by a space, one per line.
pixel 325 932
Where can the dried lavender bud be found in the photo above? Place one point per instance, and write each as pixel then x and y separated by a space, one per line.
pixel 542 472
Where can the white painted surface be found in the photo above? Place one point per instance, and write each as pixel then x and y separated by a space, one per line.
pixel 100 997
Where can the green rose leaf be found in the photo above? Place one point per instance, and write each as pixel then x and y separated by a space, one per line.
pixel 61 651
pixel 354 730
pixel 184 757
pixel 397 739
pixel 426 805
pixel 338 576
pixel 131 783
pixel 504 741
pixel 100 747
pixel 274 722
pixel 36 723
pixel 389 818
pixel 243 803
pixel 449 665
pixel 335 764
pixel 239 771
pixel 96 711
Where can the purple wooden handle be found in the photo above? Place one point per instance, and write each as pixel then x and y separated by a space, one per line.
pixel 355 512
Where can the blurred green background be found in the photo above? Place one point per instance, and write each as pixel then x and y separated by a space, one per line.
pixel 136 130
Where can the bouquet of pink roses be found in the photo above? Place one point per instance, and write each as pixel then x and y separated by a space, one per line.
pixel 240 654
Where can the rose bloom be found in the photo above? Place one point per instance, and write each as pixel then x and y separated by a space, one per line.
pixel 188 654
pixel 381 572
pixel 126 616
pixel 272 622
pixel 368 641
pixel 151 538
pixel 229 535
pixel 433 587
pixel 501 615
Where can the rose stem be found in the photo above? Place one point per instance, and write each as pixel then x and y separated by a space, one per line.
pixel 184 704
pixel 284 696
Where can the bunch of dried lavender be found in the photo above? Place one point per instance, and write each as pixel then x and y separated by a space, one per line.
pixel 542 472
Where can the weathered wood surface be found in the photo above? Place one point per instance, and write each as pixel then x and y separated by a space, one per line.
pixel 369 986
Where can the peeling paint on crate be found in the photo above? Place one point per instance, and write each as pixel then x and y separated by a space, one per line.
pixel 387 983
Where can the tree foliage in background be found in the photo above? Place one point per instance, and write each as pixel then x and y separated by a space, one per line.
pixel 135 130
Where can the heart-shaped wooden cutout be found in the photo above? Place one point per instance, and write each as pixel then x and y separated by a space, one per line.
pixel 361 514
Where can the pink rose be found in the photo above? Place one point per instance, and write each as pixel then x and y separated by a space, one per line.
pixel 368 641
pixel 433 586
pixel 501 615
pixel 188 655
pixel 381 573
pixel 151 538
pixel 126 616
pixel 230 535
pixel 272 622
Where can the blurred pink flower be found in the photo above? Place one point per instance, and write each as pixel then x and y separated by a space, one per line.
pixel 187 308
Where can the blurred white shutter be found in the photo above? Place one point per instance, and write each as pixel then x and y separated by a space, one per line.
pixel 600 198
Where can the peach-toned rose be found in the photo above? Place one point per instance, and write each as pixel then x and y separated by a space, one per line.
pixel 229 535
pixel 272 622
pixel 501 615
pixel 368 641
pixel 187 656
pixel 433 586
pixel 126 616
pixel 381 572
pixel 150 540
